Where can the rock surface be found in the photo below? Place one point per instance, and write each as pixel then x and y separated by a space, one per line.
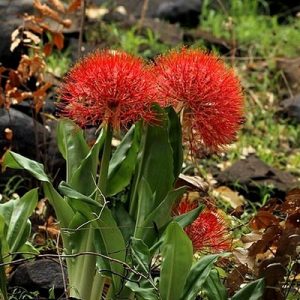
pixel 40 275
pixel 11 12
pixel 291 107
pixel 253 173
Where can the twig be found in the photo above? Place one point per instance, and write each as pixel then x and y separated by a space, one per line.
pixel 143 15
pixel 124 264
pixel 81 28
pixel 61 266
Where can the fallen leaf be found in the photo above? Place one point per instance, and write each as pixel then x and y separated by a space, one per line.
pixel 233 198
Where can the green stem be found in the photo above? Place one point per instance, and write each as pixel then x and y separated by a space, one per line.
pixel 3 289
pixel 98 285
pixel 105 160
pixel 83 269
pixel 134 195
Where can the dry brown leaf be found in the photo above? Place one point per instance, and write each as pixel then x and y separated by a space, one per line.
pixel 46 11
pixel 263 219
pixel 58 5
pixel 14 34
pixel 74 5
pixel 15 44
pixel 269 238
pixel 33 37
pixel 47 49
pixel 193 182
pixel 291 203
pixel 8 133
pixel 233 198
pixel 40 95
pixel 58 40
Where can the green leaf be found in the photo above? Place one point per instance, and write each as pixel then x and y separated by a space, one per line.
pixel 63 210
pixel 19 225
pixel 109 241
pixel 123 161
pixel 198 275
pixel 71 144
pixel 145 206
pixel 175 138
pixel 141 254
pixel 155 162
pixel 75 196
pixel 84 177
pixel 160 216
pixel 189 217
pixel 124 220
pixel 3 251
pixel 214 288
pixel 17 161
pixel 143 293
pixel 177 256
pixel 252 291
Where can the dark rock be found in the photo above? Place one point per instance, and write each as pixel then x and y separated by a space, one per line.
pixel 134 7
pixel 176 11
pixel 40 275
pixel 291 70
pixel 184 12
pixel 291 107
pixel 25 130
pixel 283 7
pixel 167 33
pixel 11 12
pixel 252 173
pixel 32 140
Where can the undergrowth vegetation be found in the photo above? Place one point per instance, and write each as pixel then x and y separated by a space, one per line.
pixel 260 228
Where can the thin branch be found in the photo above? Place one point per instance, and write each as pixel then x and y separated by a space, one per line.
pixel 81 29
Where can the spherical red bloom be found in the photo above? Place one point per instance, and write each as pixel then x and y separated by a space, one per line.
pixel 208 232
pixel 113 88
pixel 206 91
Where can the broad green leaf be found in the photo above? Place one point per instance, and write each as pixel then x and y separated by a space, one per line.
pixel 3 251
pixel 145 206
pixel 160 216
pixel 19 225
pixel 142 293
pixel 17 161
pixel 81 270
pixel 175 138
pixel 28 248
pixel 71 144
pixel 63 210
pixel 155 162
pixel 189 217
pixel 123 161
pixel 76 196
pixel 84 177
pixel 252 291
pixel 109 241
pixel 198 275
pixel 141 254
pixel 177 253
pixel 214 288
pixel 124 220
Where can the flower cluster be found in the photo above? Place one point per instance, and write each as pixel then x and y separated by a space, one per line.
pixel 108 87
pixel 206 92
pixel 208 231
pixel 117 88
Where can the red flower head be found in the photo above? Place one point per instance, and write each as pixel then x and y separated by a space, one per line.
pixel 206 91
pixel 107 87
pixel 208 231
